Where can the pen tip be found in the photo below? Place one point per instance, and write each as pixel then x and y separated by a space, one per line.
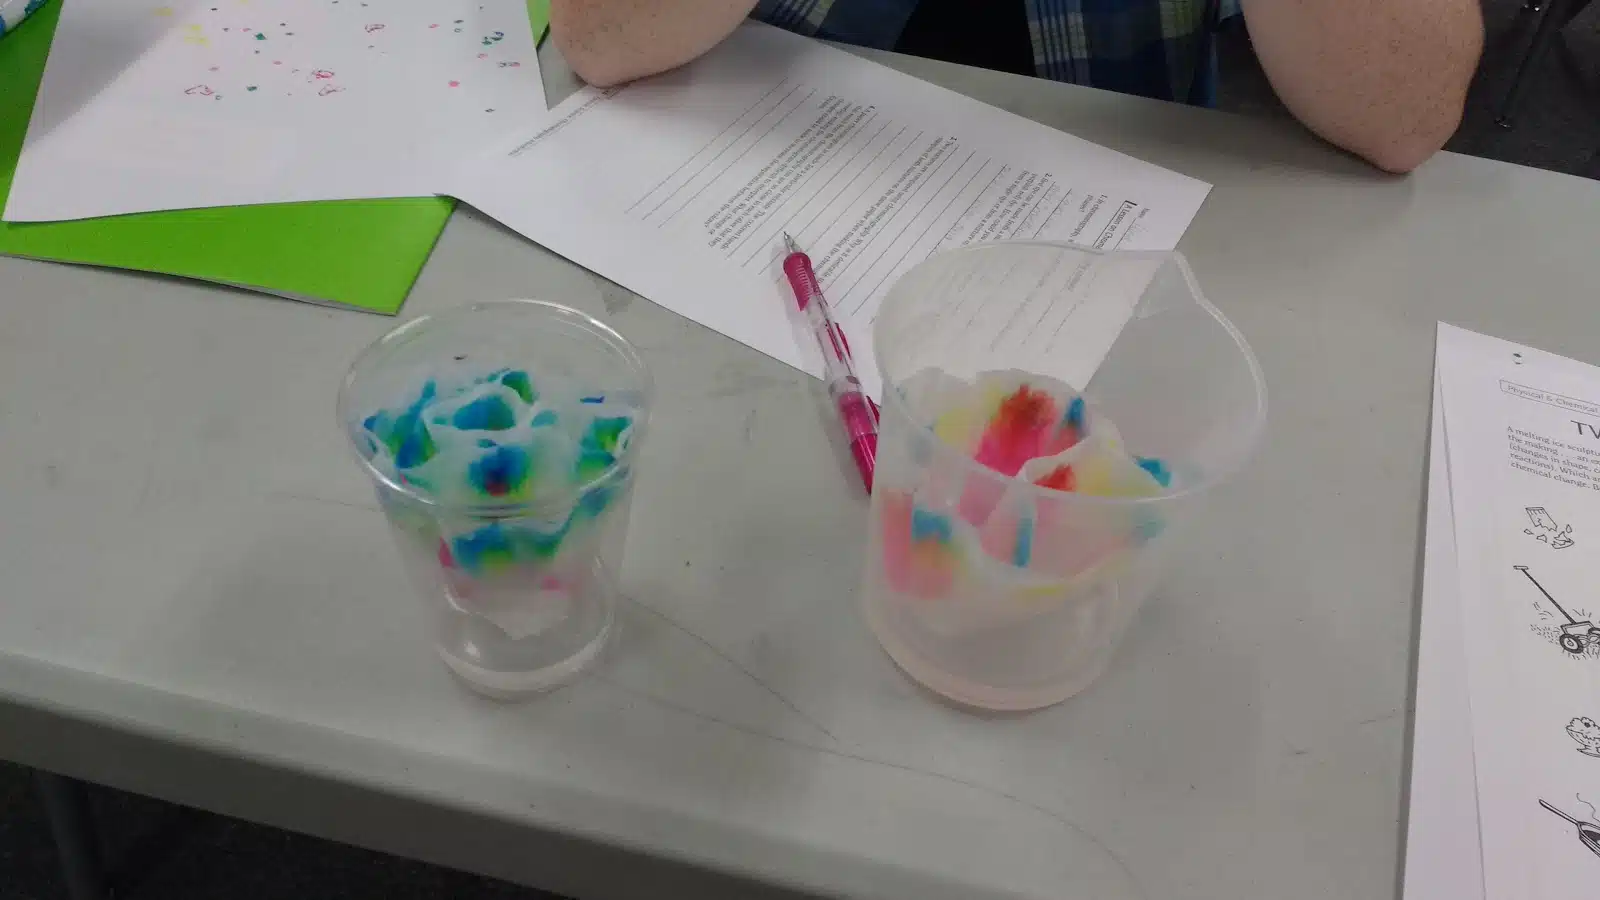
pixel 789 243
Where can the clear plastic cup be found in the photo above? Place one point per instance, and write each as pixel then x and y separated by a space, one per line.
pixel 516 569
pixel 987 588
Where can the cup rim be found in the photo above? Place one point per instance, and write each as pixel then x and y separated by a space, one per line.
pixel 892 395
pixel 606 333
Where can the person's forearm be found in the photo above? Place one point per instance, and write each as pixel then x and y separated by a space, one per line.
pixel 608 42
pixel 1385 79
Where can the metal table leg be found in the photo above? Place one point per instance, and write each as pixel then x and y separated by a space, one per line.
pixel 66 805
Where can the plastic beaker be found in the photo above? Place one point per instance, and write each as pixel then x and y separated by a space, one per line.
pixel 500 438
pixel 987 587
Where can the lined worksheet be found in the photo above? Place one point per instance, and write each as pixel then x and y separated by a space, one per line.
pixel 689 181
pixel 177 104
pixel 1523 434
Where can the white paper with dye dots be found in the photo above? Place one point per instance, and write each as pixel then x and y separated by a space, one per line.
pixel 159 104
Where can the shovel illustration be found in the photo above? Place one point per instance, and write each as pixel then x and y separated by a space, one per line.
pixel 1588 833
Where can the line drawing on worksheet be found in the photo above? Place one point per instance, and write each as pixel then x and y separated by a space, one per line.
pixel 1546 530
pixel 1573 630
pixel 1586 732
pixel 1588 831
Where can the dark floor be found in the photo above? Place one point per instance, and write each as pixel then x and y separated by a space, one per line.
pixel 205 856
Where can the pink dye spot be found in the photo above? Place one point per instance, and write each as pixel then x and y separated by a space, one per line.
pixel 199 90
pixel 483 56
pixel 924 568
pixel 277 62
pixel 455 84
pixel 434 25
pixel 216 68
pixel 321 75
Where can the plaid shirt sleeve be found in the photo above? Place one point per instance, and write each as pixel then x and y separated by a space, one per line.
pixel 1155 48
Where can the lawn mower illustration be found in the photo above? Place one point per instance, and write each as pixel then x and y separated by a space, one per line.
pixel 1576 637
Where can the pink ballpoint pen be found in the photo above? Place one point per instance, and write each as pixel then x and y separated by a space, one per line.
pixel 856 410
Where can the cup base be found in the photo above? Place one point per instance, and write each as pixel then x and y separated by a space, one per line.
pixel 977 695
pixel 555 657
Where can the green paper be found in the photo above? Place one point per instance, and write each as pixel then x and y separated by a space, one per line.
pixel 359 253
pixel 539 19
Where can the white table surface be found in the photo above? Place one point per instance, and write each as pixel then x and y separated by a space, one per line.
pixel 200 600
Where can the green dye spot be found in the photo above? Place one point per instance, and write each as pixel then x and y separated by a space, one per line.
pixel 260 36
pixel 519 382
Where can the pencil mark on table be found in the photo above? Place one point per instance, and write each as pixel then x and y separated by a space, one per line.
pixel 146 484
pixel 737 665
pixel 736 379
pixel 1045 811
pixel 615 298
pixel 308 498
pixel 749 426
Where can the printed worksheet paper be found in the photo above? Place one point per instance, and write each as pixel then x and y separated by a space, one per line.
pixel 1523 429
pixel 1444 858
pixel 177 104
pixel 690 180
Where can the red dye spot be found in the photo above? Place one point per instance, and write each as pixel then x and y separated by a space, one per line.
pixel 1062 479
pixel 446 558
pixel 1018 430
pixel 1026 410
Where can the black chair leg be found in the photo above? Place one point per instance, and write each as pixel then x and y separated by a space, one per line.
pixel 66 805
pixel 1556 15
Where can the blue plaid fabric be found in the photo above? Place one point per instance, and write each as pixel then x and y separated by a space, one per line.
pixel 1155 48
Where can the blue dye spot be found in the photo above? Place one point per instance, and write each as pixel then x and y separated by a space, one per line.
pixel 487 546
pixel 373 422
pixel 1148 530
pixel 595 502
pixel 1023 554
pixel 930 526
pixel 601 398
pixel 1075 412
pixel 485 414
pixel 543 418
pixel 485 442
pixel 502 471
pixel 1157 469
